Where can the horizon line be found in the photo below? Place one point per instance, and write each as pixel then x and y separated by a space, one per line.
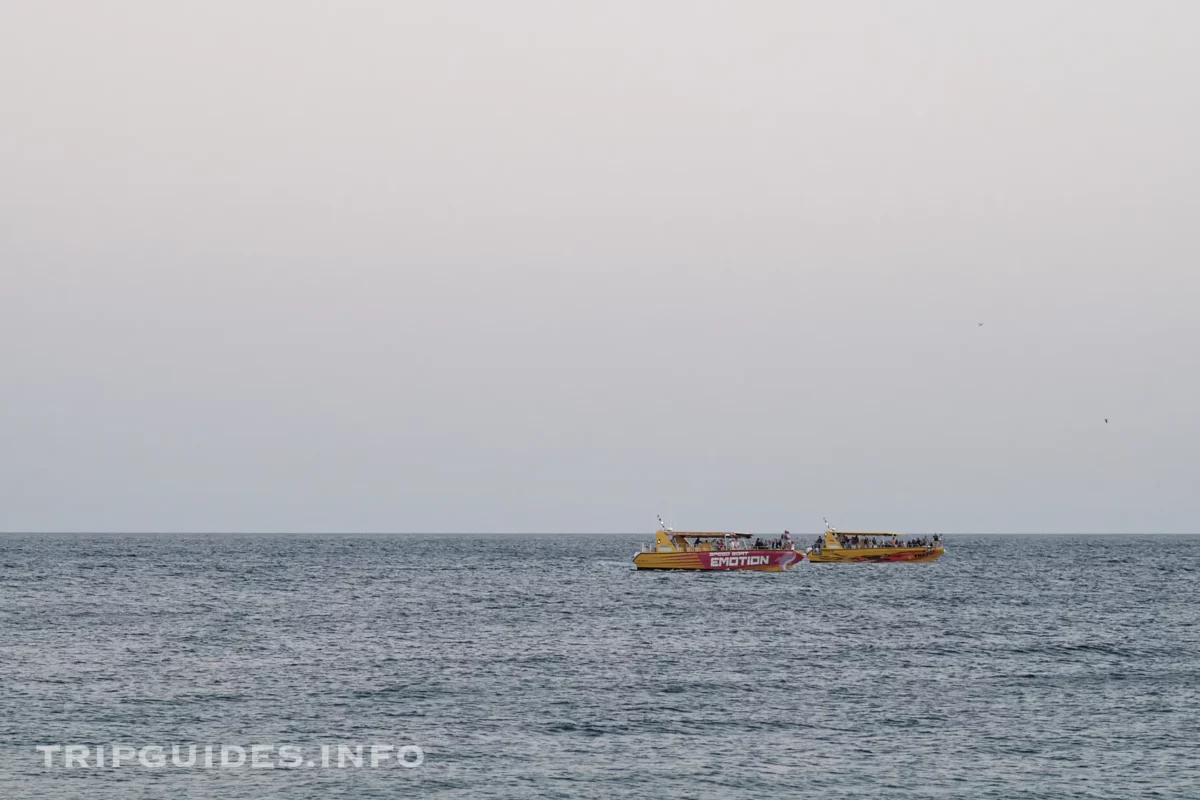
pixel 564 533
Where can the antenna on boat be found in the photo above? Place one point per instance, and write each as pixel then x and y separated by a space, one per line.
pixel 664 526
pixel 829 527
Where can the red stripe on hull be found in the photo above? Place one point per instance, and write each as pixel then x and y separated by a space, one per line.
pixel 722 560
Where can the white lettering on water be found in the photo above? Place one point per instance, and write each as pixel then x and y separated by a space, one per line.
pixel 75 756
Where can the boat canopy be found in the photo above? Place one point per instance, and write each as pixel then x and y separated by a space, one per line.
pixel 693 535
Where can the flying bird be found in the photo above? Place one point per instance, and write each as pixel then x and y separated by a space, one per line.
pixel 1106 420
pixel 981 324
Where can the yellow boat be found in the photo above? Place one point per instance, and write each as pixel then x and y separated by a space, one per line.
pixel 716 551
pixel 839 547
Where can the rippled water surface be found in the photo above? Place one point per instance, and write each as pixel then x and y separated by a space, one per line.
pixel 536 666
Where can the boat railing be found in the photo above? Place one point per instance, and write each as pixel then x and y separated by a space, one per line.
pixel 855 542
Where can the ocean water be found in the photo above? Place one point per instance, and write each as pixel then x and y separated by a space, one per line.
pixel 539 666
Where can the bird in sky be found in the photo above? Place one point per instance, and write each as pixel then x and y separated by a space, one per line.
pixel 981 324
pixel 1106 420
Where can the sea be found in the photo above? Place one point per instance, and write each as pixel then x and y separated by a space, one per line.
pixel 523 666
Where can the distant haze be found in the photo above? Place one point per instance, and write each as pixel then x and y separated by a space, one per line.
pixel 544 266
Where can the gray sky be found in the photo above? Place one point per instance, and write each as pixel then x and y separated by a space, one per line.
pixel 545 266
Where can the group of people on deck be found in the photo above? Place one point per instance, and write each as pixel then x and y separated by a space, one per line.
pixel 783 542
pixel 855 542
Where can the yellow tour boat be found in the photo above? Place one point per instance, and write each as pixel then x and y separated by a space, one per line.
pixel 839 547
pixel 717 551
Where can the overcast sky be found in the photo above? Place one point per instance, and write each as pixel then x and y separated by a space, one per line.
pixel 546 266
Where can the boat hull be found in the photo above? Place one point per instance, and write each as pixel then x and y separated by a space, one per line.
pixel 878 554
pixel 722 560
